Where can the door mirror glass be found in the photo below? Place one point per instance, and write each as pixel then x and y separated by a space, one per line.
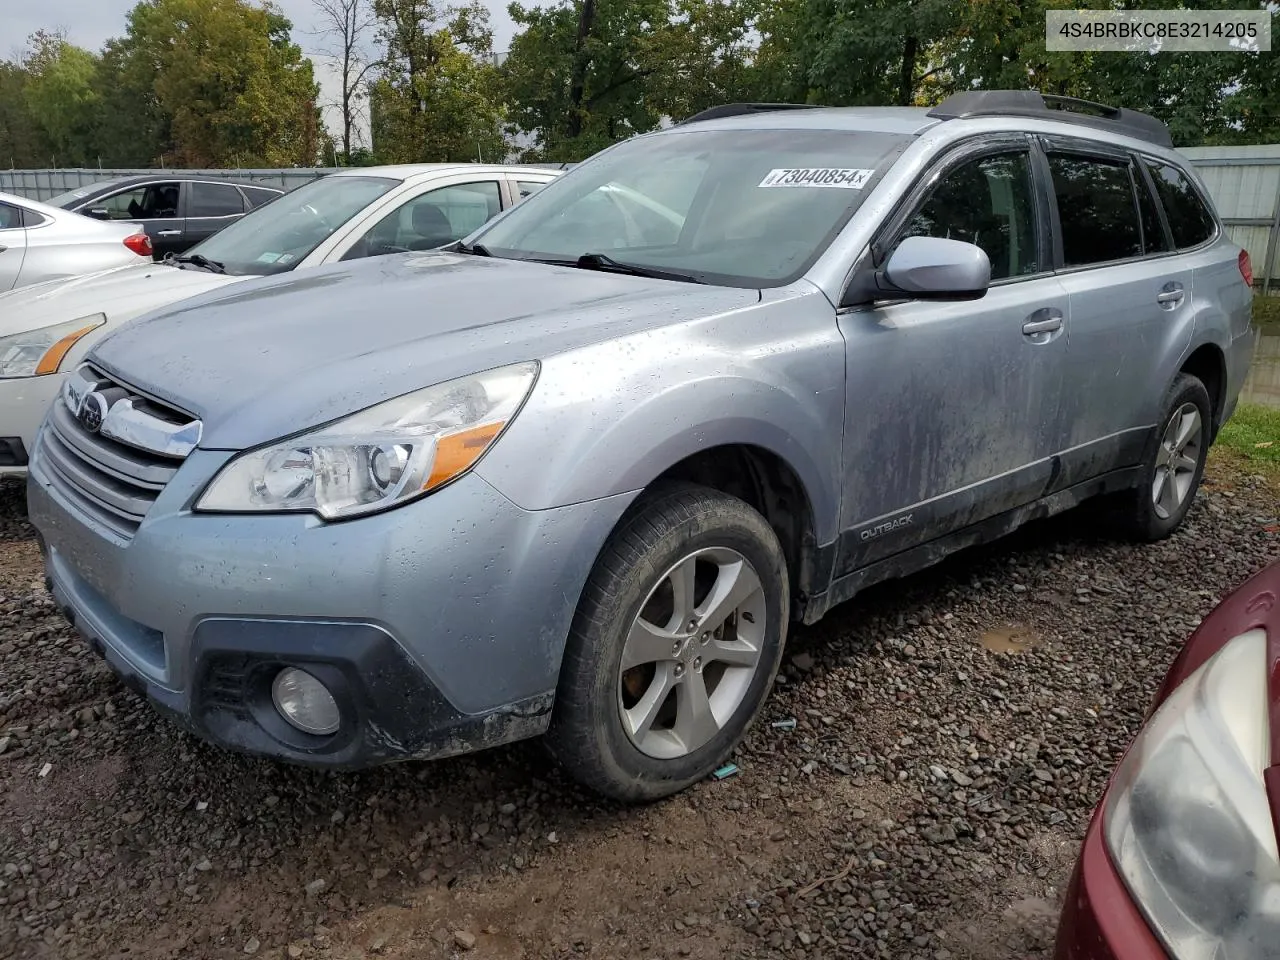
pixel 934 268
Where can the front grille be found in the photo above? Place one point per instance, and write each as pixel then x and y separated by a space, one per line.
pixel 113 481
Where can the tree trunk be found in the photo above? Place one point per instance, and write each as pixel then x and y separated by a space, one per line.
pixel 578 77
pixel 906 80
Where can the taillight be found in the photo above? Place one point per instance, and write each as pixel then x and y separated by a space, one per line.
pixel 139 243
pixel 1246 268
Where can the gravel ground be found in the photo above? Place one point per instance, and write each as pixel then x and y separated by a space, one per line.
pixel 953 732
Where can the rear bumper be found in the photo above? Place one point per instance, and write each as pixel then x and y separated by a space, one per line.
pixel 1100 921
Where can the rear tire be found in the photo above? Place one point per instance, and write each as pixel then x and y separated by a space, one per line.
pixel 1173 465
pixel 691 588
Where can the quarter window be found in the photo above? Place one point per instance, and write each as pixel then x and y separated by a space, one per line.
pixel 1096 208
pixel 987 202
pixel 1190 221
pixel 10 217
pixel 215 200
pixel 528 188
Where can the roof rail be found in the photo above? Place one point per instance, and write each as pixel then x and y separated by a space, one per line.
pixel 739 109
pixel 1031 103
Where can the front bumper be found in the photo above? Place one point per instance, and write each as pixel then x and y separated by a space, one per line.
pixel 23 403
pixel 439 625
pixel 1100 921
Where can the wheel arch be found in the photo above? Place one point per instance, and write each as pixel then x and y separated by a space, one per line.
pixel 1207 362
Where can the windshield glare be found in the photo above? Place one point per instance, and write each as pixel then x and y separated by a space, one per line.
pixel 69 199
pixel 275 237
pixel 739 207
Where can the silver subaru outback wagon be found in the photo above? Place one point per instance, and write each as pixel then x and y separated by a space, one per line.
pixel 576 475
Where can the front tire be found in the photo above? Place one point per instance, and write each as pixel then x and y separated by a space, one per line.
pixel 674 645
pixel 1174 463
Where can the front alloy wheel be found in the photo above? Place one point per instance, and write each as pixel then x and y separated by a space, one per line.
pixel 674 645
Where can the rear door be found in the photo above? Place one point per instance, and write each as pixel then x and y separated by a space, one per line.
pixel 210 207
pixel 13 245
pixel 1131 305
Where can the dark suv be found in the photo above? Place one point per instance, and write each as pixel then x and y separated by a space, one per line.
pixel 177 212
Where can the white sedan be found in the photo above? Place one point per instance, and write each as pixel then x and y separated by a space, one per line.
pixel 359 212
pixel 39 242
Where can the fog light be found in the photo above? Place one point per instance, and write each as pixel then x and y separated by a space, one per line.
pixel 305 702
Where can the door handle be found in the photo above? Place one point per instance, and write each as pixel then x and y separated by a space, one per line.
pixel 1171 295
pixel 1047 322
pixel 169 233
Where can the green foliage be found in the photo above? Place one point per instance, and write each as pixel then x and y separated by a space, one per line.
pixel 60 95
pixel 1266 313
pixel 1253 432
pixel 435 96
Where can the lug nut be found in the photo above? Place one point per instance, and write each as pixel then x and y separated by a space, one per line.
pixel 675 648
pixel 693 623
pixel 679 669
pixel 697 664
pixel 706 637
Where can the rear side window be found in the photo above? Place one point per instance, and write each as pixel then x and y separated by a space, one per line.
pixel 1097 209
pixel 215 200
pixel 1190 221
pixel 258 196
pixel 1154 239
pixel 529 187
pixel 10 217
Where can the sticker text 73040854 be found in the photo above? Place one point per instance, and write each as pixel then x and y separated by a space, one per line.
pixel 845 178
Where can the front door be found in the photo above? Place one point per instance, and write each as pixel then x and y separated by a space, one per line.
pixel 952 407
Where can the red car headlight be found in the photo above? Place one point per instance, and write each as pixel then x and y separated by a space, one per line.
pixel 1188 821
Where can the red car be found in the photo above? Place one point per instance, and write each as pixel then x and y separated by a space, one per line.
pixel 1180 860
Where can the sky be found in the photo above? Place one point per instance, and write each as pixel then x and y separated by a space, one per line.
pixel 90 23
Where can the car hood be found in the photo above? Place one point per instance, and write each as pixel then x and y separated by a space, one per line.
pixel 278 355
pixel 122 293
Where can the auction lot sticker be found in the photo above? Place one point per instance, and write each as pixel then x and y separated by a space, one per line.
pixel 844 178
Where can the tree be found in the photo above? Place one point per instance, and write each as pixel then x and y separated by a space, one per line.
pixel 227 84
pixel 22 142
pixel 348 23
pixel 60 95
pixel 585 73
pixel 435 97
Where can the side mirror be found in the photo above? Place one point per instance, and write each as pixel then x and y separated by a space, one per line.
pixel 931 268
pixel 98 213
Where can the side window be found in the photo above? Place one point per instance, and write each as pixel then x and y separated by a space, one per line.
pixel 156 201
pixel 257 196
pixel 10 217
pixel 32 219
pixel 430 220
pixel 989 202
pixel 1153 235
pixel 528 188
pixel 1096 208
pixel 214 200
pixel 1190 221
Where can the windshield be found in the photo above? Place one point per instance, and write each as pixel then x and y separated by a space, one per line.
pixel 749 208
pixel 69 199
pixel 277 235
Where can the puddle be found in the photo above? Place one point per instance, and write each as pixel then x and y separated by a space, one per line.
pixel 1263 383
pixel 1009 639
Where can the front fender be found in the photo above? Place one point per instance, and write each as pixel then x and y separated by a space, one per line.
pixel 612 417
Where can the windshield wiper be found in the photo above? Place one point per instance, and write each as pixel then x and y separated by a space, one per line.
pixel 200 260
pixel 475 249
pixel 602 261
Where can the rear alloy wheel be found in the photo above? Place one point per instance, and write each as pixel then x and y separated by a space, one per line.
pixel 674 645
pixel 1173 465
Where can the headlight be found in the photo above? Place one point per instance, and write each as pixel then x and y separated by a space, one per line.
pixel 37 352
pixel 1188 822
pixel 380 457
